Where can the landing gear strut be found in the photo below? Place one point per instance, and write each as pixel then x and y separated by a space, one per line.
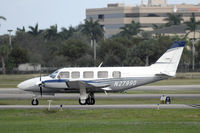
pixel 89 101
pixel 35 101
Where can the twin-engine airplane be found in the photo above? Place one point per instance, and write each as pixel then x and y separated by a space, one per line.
pixel 88 80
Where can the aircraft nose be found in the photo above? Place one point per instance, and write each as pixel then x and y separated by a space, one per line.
pixel 28 85
pixel 21 86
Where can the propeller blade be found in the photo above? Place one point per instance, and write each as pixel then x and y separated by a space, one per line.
pixel 40 84
pixel 40 75
pixel 40 90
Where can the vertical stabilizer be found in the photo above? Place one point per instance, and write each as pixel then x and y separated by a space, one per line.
pixel 168 62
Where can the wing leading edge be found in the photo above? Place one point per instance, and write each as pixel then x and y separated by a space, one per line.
pixel 86 84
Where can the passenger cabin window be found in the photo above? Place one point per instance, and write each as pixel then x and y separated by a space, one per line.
pixel 64 74
pixel 75 75
pixel 116 74
pixel 88 74
pixel 102 74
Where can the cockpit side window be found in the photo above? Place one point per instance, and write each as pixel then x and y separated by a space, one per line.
pixel 53 75
pixel 64 75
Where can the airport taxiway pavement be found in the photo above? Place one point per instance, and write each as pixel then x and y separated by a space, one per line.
pixel 98 96
pixel 128 106
pixel 15 93
pixel 168 87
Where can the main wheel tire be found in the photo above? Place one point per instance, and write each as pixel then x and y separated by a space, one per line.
pixel 90 101
pixel 81 102
pixel 35 102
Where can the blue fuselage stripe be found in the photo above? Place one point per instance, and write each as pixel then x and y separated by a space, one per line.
pixel 53 81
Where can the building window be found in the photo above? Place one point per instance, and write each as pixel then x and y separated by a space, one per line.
pixel 101 16
pixel 114 26
pixel 88 74
pixel 119 15
pixel 102 74
pixel 116 74
pixel 64 74
pixel 132 15
pixel 152 15
pixel 75 74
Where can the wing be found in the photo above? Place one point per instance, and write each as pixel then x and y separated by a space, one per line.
pixel 87 84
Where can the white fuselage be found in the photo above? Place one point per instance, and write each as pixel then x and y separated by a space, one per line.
pixel 119 78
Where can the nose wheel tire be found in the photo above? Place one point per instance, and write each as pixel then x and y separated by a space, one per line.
pixel 35 102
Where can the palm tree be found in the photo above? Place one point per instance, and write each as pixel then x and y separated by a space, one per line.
pixel 66 33
pixel 93 29
pixel 3 18
pixel 34 30
pixel 52 32
pixel 131 29
pixel 21 29
pixel 95 32
pixel 4 50
pixel 191 26
pixel 173 19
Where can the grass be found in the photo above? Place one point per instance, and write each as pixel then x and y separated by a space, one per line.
pixel 11 81
pixel 100 121
pixel 103 120
pixel 103 101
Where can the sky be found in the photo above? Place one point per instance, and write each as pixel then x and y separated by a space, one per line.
pixel 64 13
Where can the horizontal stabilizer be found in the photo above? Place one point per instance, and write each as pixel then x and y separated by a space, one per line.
pixel 164 75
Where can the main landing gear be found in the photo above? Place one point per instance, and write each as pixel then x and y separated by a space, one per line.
pixel 89 101
pixel 34 101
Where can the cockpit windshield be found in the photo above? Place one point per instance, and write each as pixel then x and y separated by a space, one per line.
pixel 53 75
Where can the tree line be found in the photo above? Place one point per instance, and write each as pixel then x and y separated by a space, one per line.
pixel 74 46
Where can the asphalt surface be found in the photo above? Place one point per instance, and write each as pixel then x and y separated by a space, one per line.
pixel 81 107
pixel 169 87
pixel 97 96
pixel 15 93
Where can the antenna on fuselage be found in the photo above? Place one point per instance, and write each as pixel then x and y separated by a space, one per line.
pixel 100 64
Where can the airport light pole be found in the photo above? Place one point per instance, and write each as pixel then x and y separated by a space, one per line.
pixel 10 39
pixel 95 53
pixel 193 54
